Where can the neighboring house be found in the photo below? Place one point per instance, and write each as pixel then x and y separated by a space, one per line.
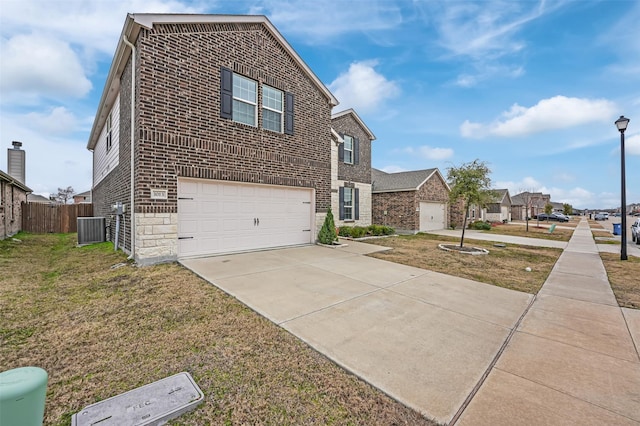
pixel 528 202
pixel 351 169
pixel 231 133
pixel 412 201
pixel 37 198
pixel 12 194
pixel 500 211
pixel 82 198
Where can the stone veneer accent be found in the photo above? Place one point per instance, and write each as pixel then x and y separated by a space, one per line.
pixel 156 237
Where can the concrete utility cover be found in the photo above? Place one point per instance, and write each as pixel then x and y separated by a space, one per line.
pixel 152 404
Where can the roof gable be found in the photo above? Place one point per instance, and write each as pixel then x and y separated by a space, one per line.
pixel 358 120
pixel 402 181
pixel 136 21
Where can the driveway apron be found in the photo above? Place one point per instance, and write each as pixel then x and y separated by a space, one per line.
pixel 425 338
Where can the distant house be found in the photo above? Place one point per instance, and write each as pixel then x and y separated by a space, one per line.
pixel 37 198
pixel 351 169
pixel 528 204
pixel 411 201
pixel 499 211
pixel 82 198
pixel 12 194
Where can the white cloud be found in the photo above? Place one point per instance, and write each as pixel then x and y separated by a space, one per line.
pixel 430 153
pixel 363 88
pixel 393 169
pixel 559 112
pixel 632 144
pixel 58 121
pixel 526 184
pixel 320 21
pixel 35 65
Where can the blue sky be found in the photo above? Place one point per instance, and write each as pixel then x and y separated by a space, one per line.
pixel 531 87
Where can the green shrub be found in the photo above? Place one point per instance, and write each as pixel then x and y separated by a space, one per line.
pixel 360 231
pixel 480 225
pixel 327 234
pixel 344 231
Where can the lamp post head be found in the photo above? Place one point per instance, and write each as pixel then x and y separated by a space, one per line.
pixel 621 123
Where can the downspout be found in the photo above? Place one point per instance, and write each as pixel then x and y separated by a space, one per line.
pixel 132 211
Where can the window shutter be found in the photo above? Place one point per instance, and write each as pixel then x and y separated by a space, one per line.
pixel 341 149
pixel 356 150
pixel 226 93
pixel 356 204
pixel 288 113
pixel 341 204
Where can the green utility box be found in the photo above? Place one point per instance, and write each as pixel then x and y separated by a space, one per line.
pixel 22 396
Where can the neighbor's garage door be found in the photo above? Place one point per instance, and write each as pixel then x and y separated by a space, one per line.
pixel 432 216
pixel 221 217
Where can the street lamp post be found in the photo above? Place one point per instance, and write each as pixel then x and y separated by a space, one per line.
pixel 621 124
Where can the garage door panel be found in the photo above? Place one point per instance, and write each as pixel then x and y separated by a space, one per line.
pixel 432 216
pixel 221 217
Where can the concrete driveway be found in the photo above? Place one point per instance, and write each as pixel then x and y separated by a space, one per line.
pixel 425 338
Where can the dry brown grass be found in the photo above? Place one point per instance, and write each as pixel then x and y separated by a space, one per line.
pixel 559 234
pixel 594 224
pixel 100 331
pixel 504 267
pixel 624 276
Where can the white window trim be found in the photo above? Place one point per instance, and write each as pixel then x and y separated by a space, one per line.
pixel 246 101
pixel 348 207
pixel 109 135
pixel 350 151
pixel 280 112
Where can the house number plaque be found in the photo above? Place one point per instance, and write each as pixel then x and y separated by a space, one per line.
pixel 159 194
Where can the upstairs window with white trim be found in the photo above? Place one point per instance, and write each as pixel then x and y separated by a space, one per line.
pixel 348 149
pixel 272 109
pixel 109 136
pixel 245 101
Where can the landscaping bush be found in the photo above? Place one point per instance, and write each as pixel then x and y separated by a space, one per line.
pixel 327 234
pixel 480 225
pixel 360 231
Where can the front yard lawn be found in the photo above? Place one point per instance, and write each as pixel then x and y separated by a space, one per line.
pixel 100 327
pixel 503 267
pixel 624 276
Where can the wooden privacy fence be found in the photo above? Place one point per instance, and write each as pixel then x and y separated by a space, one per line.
pixel 41 218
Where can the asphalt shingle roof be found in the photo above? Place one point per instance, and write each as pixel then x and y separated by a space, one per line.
pixel 401 181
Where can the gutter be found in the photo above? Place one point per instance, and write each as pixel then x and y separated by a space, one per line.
pixel 132 210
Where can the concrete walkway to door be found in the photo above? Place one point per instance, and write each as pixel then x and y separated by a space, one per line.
pixel 425 338
pixel 574 358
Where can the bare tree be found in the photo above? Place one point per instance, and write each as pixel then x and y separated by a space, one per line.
pixel 527 197
pixel 64 195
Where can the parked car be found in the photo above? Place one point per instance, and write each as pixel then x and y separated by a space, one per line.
pixel 635 231
pixel 601 216
pixel 553 216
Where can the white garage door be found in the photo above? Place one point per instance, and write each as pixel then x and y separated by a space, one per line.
pixel 222 217
pixel 432 216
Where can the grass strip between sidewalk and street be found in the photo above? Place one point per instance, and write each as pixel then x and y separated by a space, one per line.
pixel 100 330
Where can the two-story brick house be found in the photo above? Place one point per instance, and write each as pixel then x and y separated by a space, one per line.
pixel 351 169
pixel 231 136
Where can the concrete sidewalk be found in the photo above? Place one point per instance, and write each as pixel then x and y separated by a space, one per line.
pixel 478 235
pixel 573 360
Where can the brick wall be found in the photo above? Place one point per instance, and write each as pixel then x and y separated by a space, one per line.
pixel 116 186
pixel 180 129
pixel 402 207
pixel 11 199
pixel 360 172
